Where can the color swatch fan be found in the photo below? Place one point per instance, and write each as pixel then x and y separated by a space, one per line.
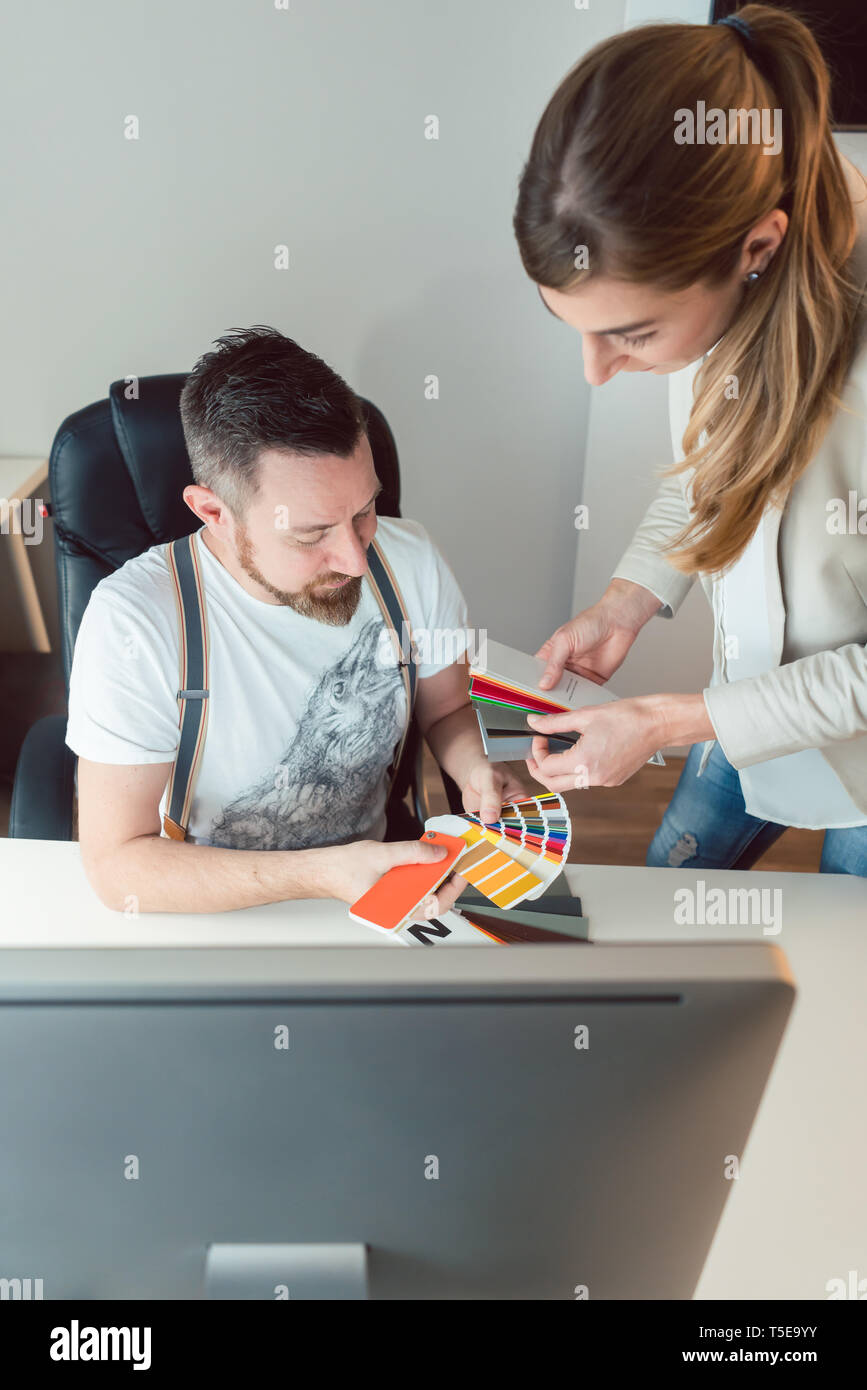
pixel 514 858
pixel 533 835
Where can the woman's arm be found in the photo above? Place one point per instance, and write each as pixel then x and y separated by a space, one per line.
pixel 817 700
pixel 644 562
pixel 596 642
pixel 810 703
pixel 616 739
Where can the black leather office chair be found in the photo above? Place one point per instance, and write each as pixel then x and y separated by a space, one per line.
pixel 117 470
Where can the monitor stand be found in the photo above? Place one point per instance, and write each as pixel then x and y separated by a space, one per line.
pixel 278 1272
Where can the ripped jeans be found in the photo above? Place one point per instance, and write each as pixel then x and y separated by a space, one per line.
pixel 706 826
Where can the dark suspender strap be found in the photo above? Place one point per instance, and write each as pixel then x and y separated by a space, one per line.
pixel 387 593
pixel 193 692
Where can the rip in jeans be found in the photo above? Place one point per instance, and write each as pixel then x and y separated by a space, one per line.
pixel 685 848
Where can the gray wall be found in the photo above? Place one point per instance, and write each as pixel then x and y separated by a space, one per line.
pixel 260 127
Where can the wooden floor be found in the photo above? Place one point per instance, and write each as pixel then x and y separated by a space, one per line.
pixel 614 825
pixel 611 825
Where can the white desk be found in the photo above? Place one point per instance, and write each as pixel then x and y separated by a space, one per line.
pixel 797 1216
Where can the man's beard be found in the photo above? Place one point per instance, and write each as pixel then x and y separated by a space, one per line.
pixel 335 609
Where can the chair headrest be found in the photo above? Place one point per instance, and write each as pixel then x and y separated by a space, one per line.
pixel 147 425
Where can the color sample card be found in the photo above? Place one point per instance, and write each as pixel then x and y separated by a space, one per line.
pixel 449 929
pixel 536 832
pixel 396 897
pixel 513 930
pixel 497 693
pixel 514 858
pixel 507 737
pixel 514 672
pixel 509 679
pixel 504 877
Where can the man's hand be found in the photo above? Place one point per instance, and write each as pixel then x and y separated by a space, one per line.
pixel 488 786
pixel 351 869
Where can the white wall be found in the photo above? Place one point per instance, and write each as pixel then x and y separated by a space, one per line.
pixel 261 127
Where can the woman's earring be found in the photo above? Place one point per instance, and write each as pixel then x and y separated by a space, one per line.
pixel 752 277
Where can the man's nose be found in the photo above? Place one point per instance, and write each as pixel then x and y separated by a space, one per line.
pixel 348 555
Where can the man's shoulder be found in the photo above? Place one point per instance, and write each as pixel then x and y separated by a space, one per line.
pixel 142 585
pixel 409 550
pixel 399 533
pixel 422 573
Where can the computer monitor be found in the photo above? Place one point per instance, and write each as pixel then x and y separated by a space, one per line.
pixel 529 1122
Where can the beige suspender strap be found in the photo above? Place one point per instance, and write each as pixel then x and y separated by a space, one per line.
pixel 387 593
pixel 193 691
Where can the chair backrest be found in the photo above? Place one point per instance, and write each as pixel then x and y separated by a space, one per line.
pixel 117 470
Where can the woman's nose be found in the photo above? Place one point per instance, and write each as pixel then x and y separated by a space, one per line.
pixel 601 363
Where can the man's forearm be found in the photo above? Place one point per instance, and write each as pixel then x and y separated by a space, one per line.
pixel 154 874
pixel 456 743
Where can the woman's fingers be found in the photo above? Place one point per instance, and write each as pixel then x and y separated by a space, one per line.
pixel 567 782
pixel 558 650
pixel 616 740
pixel 570 721
pixel 557 780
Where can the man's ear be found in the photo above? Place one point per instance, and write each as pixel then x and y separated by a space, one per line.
pixel 207 506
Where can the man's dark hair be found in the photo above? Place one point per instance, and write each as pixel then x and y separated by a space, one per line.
pixel 259 390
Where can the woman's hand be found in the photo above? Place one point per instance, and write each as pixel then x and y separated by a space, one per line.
pixel 596 642
pixel 488 786
pixel 616 739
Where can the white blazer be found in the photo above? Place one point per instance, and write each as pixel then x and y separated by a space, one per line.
pixel 815 696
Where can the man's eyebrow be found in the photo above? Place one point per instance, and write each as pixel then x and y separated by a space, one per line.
pixel 327 525
pixel 602 332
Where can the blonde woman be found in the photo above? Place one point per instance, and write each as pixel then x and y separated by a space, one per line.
pixel 728 252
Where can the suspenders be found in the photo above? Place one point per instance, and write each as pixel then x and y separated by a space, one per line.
pixel 194 692
pixel 396 618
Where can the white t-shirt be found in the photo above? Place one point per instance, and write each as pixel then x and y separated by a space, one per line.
pixel 303 717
